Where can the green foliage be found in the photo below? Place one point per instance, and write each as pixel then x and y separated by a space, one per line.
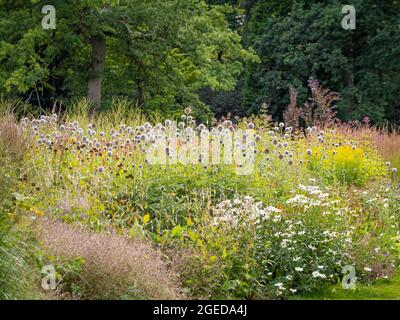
pixel 300 39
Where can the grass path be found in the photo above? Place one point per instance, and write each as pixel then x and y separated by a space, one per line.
pixel 379 290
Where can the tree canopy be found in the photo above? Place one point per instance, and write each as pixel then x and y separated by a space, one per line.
pixel 168 54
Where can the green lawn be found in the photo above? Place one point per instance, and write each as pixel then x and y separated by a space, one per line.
pixel 379 290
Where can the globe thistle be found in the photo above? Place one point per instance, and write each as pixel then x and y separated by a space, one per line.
pixel 388 164
pixel 250 125
pixel 188 110
pixel 258 138
pixel 281 125
pixel 181 125
pixel 394 170
pixel 189 131
pixel 309 152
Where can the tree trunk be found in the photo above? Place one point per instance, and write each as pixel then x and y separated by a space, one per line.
pixel 140 93
pixel 97 69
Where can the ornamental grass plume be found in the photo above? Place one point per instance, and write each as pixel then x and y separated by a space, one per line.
pixel 114 267
pixel 293 113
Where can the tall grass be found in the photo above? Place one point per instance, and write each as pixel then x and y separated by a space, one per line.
pixel 18 275
pixel 386 139
pixel 121 109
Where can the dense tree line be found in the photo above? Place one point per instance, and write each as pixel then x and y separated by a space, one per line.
pixel 155 52
pixel 224 55
pixel 297 40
